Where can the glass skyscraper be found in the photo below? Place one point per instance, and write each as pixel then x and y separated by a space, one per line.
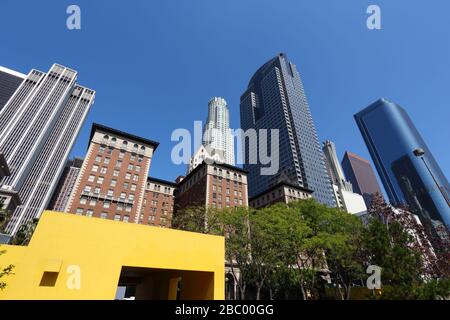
pixel 407 168
pixel 275 99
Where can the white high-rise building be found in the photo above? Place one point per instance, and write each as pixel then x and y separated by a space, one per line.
pixel 38 127
pixel 343 190
pixel 218 143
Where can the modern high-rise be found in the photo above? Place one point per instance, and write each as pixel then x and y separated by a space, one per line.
pixel 65 185
pixel 359 172
pixel 38 127
pixel 343 190
pixel 217 134
pixel 10 80
pixel 407 168
pixel 217 142
pixel 275 99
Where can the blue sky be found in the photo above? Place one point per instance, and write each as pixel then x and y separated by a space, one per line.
pixel 155 64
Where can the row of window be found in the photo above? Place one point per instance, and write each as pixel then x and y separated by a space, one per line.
pixel 110 193
pixel 106 204
pixel 107 160
pixel 219 189
pixel 116 173
pixel 124 142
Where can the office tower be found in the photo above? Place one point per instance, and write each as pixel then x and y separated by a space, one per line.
pixel 218 143
pixel 65 185
pixel 212 185
pixel 217 134
pixel 282 192
pixel 38 127
pixel 10 80
pixel 359 172
pixel 275 99
pixel 113 178
pixel 157 209
pixel 343 190
pixel 407 168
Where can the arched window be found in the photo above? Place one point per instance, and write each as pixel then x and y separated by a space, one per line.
pixel 106 137
pixel 124 142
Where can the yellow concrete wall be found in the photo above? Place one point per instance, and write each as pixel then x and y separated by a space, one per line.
pixel 100 248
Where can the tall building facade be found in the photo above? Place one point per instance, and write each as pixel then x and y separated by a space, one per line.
pixel 65 185
pixel 359 172
pixel 217 134
pixel 212 185
pixel 113 179
pixel 275 99
pixel 157 209
pixel 407 168
pixel 217 142
pixel 38 127
pixel 10 80
pixel 343 189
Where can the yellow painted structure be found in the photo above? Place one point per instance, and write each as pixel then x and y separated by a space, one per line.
pixel 76 257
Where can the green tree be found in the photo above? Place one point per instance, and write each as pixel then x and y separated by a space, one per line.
pixel 5 272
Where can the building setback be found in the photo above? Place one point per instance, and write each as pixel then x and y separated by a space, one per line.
pixel 275 99
pixel 38 127
pixel 361 175
pixel 282 192
pixel 65 185
pixel 212 185
pixel 113 179
pixel 407 168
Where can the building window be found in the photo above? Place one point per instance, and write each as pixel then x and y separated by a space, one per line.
pixel 103 170
pixel 133 187
pixel 113 182
pixel 135 177
pixel 79 211
pixel 110 193
pixel 126 218
pixel 117 217
pixel 119 207
pixel 91 178
pixel 103 215
pixel 121 154
pixel 87 189
pixel 100 180
pixel 101 149
pixel 118 163
pixel 116 173
pixel 83 201
pixel 124 142
pixel 132 157
pixel 106 160
pixel 98 158
pixel 128 209
pixel 94 168
pixel 97 190
pixel 131 197
pixel 106 204
pixel 89 213
pixel 137 168
pixel 123 195
pixel 130 167
pixel 92 202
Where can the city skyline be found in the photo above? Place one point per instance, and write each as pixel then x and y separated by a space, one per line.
pixel 360 56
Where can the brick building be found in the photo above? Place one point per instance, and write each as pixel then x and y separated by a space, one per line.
pixel 157 208
pixel 213 185
pixel 112 182
pixel 281 192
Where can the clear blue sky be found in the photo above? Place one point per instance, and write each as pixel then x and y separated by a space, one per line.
pixel 155 64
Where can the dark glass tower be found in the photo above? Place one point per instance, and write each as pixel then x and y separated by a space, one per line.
pixel 275 99
pixel 407 168
pixel 359 172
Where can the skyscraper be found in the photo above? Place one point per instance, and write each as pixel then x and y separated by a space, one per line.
pixel 65 185
pixel 10 80
pixel 343 190
pixel 275 99
pixel 217 139
pixel 410 174
pixel 38 127
pixel 359 172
